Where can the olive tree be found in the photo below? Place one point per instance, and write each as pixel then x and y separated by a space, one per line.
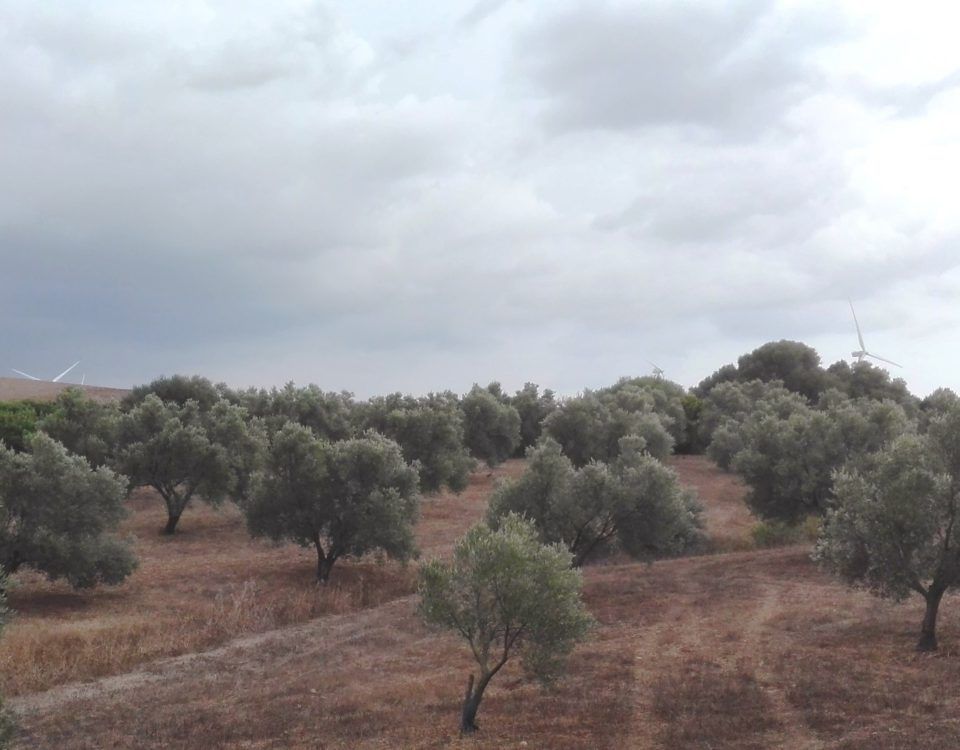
pixel 328 414
pixel 429 431
pixel 635 502
pixel 57 516
pixel 893 526
pixel 345 498
pixel 168 447
pixel 789 463
pixel 648 395
pixel 83 426
pixel 244 441
pixel 589 428
pixel 793 363
pixel 178 389
pixel 491 427
pixel 728 404
pixel 533 407
pixel 506 594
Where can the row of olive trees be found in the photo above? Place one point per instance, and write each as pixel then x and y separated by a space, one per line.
pixel 855 449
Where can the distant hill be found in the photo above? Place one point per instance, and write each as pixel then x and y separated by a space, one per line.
pixel 19 389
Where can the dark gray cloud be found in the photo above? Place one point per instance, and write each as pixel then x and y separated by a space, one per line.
pixel 728 68
pixel 369 198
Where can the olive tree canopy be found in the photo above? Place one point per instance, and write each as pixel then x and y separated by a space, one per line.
pixel 83 426
pixel 345 498
pixel 505 593
pixel 168 447
pixel 635 502
pixel 429 431
pixel 491 427
pixel 789 463
pixel 893 525
pixel 57 516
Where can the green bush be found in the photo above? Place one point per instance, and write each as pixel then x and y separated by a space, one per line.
pixel 18 421
pixel 767 534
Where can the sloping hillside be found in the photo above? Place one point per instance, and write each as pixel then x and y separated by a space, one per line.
pixel 20 389
pixel 753 649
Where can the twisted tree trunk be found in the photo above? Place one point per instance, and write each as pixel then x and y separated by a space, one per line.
pixel 928 630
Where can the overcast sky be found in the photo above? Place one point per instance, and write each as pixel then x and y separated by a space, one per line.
pixel 379 196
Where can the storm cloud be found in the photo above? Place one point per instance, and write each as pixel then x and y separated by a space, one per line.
pixel 378 199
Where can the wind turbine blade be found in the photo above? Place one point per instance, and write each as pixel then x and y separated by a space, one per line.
pixel 57 379
pixel 888 361
pixel 26 375
pixel 857 324
pixel 83 379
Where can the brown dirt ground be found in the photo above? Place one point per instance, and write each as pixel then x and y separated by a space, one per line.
pixel 750 649
pixel 21 389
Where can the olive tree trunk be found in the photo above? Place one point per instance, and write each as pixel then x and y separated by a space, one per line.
pixel 324 562
pixel 175 507
pixel 928 630
pixel 471 701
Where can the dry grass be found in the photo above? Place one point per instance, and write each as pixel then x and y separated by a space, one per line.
pixel 205 585
pixel 753 649
pixel 706 705
pixel 727 518
pixel 19 389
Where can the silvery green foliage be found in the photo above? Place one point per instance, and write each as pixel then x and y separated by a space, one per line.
pixel 83 426
pixel 505 593
pixel 726 443
pixel 937 403
pixel 635 502
pixel 429 431
pixel 491 427
pixel 793 363
pixel 533 407
pixel 893 524
pixel 57 516
pixel 788 463
pixel 344 498
pixel 589 427
pixel 649 395
pixel 731 403
pixel 244 440
pixel 863 380
pixel 170 448
pixel 177 389
pixel 328 414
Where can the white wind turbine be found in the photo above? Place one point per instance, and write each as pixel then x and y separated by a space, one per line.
pixel 54 380
pixel 657 371
pixel 859 355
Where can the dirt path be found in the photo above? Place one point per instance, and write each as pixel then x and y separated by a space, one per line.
pixel 238 656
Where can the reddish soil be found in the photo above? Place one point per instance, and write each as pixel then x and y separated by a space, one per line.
pixel 751 649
